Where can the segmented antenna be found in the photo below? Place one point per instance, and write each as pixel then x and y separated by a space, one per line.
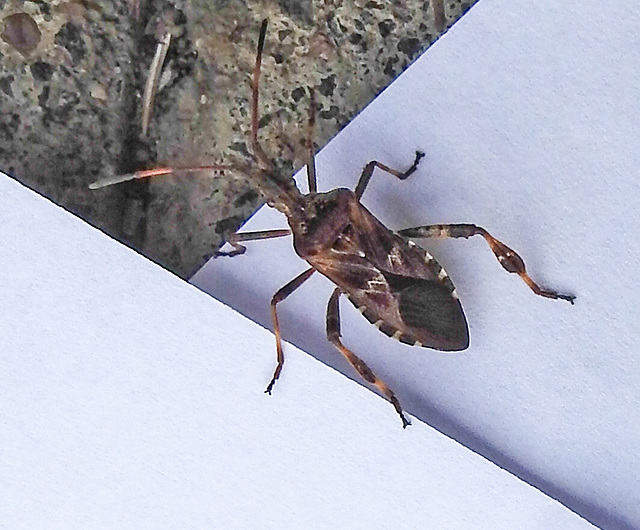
pixel 156 172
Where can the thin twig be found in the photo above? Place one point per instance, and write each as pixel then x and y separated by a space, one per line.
pixel 152 81
pixel 438 14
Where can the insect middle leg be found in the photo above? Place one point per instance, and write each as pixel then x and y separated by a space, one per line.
pixel 368 171
pixel 277 298
pixel 508 258
pixel 333 334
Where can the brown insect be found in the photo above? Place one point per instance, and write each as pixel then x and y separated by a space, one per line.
pixel 398 286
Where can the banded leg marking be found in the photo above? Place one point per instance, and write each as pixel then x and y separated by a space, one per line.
pixel 333 334
pixel 508 258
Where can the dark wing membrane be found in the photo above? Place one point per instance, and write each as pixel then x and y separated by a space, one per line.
pixel 431 313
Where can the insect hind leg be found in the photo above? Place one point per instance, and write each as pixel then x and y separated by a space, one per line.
pixel 333 334
pixel 508 258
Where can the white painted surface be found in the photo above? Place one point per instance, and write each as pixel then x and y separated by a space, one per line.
pixel 129 399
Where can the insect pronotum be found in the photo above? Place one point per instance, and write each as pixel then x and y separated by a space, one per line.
pixel 398 286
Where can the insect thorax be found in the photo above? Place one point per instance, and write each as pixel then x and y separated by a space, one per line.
pixel 321 221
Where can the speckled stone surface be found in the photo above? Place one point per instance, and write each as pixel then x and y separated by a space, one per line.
pixel 72 75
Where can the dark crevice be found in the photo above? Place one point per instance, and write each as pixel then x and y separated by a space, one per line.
pixel 138 152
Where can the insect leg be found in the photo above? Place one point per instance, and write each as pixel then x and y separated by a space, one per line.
pixel 235 239
pixel 368 171
pixel 311 163
pixel 255 117
pixel 277 298
pixel 333 334
pixel 507 257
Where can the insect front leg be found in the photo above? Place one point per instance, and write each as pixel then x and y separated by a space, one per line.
pixel 333 334
pixel 507 257
pixel 235 239
pixel 277 298
pixel 368 171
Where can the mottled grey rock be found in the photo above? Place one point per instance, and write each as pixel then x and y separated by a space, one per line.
pixel 72 77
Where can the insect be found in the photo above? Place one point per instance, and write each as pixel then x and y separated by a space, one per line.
pixel 396 285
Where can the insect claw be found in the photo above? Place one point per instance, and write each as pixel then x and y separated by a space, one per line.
pixel 396 405
pixel 552 294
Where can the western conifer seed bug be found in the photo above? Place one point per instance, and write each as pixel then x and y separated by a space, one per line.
pixel 398 286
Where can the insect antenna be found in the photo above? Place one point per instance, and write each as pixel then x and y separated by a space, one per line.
pixel 159 171
pixel 255 117
pixel 311 162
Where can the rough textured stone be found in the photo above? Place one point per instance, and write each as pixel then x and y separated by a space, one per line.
pixel 72 75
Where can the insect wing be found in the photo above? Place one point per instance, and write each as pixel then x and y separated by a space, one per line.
pixel 429 311
pixel 396 285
